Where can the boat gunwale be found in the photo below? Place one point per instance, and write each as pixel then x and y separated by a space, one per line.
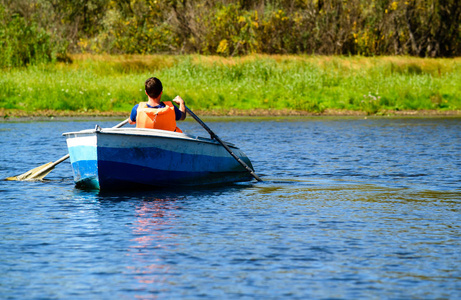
pixel 144 132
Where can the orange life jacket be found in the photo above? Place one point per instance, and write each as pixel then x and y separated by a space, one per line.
pixel 156 118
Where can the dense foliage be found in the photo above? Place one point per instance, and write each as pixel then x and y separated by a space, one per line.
pixel 32 30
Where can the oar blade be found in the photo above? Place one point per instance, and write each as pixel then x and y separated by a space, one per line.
pixel 35 174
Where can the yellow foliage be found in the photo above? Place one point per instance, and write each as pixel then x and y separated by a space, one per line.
pixel 222 47
pixel 83 44
pixel 394 5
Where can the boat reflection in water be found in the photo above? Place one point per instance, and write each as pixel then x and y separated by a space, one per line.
pixel 154 218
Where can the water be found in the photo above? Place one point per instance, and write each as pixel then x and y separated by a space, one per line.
pixel 349 209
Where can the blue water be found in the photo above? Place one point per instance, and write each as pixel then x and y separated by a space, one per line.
pixel 349 209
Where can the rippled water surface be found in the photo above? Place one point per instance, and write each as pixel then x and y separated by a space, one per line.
pixel 349 209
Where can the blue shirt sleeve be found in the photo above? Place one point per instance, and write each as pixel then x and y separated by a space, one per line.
pixel 178 113
pixel 134 112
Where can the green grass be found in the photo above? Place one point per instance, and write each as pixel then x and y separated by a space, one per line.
pixel 309 83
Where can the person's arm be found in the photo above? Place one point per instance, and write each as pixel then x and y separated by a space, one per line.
pixel 134 112
pixel 182 106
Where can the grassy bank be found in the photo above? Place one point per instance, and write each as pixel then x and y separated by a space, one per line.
pixel 313 84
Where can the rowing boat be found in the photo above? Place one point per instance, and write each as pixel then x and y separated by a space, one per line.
pixel 120 158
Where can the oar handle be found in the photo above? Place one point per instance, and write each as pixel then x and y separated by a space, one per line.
pixel 214 136
pixel 60 160
pixel 121 124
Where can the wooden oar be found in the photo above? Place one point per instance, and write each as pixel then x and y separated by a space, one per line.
pixel 40 172
pixel 214 136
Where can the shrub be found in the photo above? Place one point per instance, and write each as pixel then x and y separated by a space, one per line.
pixel 22 43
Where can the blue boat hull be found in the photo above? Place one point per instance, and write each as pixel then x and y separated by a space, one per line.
pixel 129 158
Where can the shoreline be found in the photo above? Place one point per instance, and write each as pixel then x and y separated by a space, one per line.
pixel 7 115
pixel 15 114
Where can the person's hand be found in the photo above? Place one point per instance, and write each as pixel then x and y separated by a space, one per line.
pixel 178 100
pixel 182 106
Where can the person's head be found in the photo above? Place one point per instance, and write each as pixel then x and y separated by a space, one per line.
pixel 153 87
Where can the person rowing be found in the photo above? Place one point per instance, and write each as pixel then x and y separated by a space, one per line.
pixel 154 113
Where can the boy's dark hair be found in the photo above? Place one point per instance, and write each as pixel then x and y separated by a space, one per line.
pixel 153 87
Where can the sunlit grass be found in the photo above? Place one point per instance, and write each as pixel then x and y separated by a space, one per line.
pixel 310 83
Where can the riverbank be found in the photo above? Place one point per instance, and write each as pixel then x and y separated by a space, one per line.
pixel 22 115
pixel 251 85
